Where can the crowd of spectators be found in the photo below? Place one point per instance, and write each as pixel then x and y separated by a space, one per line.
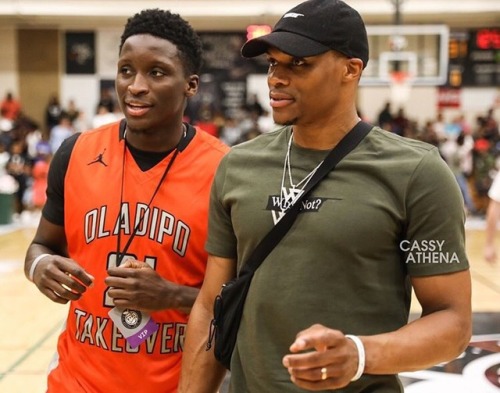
pixel 471 150
pixel 26 148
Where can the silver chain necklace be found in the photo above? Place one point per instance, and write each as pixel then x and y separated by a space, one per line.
pixel 290 196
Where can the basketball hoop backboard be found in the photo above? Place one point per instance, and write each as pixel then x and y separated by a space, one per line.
pixel 420 51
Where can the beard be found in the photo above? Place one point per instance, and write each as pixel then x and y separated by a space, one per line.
pixel 290 122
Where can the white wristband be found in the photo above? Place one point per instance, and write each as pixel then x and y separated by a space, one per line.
pixel 34 264
pixel 361 356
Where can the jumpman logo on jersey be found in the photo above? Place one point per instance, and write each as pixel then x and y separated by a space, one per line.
pixel 99 159
pixel 287 199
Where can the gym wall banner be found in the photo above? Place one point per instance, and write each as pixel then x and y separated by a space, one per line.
pixel 80 53
pixel 223 87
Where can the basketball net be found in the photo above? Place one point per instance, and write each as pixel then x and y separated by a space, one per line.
pixel 400 83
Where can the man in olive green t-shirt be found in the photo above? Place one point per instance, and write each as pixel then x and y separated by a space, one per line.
pixel 328 309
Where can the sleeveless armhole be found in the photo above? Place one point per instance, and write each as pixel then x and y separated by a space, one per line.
pixel 53 209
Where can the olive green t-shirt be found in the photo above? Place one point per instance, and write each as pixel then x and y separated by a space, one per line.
pixel 391 209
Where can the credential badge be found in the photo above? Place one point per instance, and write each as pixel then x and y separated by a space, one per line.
pixel 131 318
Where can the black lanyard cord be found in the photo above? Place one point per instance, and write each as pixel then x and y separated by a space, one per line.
pixel 121 254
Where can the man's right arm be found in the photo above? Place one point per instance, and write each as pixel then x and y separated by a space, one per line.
pixel 492 215
pixel 46 264
pixel 201 372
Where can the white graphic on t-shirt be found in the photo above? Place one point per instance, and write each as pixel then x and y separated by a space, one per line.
pixel 287 199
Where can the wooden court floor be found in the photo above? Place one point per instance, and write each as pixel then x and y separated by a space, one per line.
pixel 30 322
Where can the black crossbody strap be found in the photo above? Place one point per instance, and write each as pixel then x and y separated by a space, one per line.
pixel 266 245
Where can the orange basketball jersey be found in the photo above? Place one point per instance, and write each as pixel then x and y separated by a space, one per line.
pixel 106 192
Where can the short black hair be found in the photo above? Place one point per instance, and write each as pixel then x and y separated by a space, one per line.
pixel 171 27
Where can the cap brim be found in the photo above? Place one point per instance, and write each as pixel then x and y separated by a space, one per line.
pixel 289 43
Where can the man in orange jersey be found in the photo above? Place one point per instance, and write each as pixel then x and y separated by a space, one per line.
pixel 122 233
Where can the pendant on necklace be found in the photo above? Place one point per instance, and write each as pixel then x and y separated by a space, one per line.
pixel 289 195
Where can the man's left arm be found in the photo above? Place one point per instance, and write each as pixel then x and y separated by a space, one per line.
pixel 435 212
pixel 440 334
pixel 134 284
pixel 325 358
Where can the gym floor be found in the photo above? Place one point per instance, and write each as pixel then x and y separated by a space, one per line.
pixel 31 324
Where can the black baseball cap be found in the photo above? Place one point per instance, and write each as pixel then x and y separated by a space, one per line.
pixel 315 27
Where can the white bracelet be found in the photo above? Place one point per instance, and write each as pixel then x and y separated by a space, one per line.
pixel 361 356
pixel 34 265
